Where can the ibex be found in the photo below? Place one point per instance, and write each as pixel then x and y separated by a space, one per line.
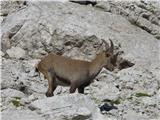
pixel 60 70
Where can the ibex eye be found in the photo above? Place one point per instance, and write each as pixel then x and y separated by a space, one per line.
pixel 107 55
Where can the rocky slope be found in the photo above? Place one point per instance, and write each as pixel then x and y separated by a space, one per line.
pixel 30 30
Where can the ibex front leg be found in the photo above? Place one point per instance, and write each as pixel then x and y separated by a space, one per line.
pixel 73 88
pixel 51 83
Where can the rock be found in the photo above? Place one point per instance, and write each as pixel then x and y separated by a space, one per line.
pixel 108 92
pixel 11 99
pixel 33 97
pixel 132 115
pixel 6 93
pixel 16 52
pixel 20 115
pixel 9 7
pixel 2 54
pixel 73 106
pixel 20 75
pixel 149 101
pixel 72 30
pixel 104 6
pixel 141 14
pixel 116 27
pixel 80 113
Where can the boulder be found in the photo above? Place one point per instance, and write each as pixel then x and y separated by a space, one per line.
pixel 132 115
pixel 16 52
pixel 72 106
pixel 20 115
pixel 6 93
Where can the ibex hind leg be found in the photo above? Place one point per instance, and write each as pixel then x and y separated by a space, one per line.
pixel 51 82
pixel 81 89
pixel 72 88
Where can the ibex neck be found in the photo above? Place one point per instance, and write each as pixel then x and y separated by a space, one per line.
pixel 96 65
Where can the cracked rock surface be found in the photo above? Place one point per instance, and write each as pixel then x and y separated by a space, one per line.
pixel 31 30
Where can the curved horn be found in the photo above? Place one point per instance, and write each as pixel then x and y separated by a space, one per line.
pixel 112 46
pixel 106 44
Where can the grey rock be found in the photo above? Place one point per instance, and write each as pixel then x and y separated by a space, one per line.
pixel 74 105
pixel 21 76
pixel 150 101
pixel 27 100
pixel 132 115
pixel 16 52
pixel 31 40
pixel 104 6
pixel 5 93
pixel 136 10
pixel 2 54
pixel 72 30
pixel 20 115
pixel 108 92
pixel 11 99
pixel 8 7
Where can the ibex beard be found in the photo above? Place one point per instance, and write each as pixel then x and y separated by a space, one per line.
pixel 60 70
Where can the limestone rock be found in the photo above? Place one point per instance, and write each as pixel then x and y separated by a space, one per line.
pixel 73 106
pixel 16 52
pixel 143 14
pixel 52 33
pixel 75 30
pixel 11 93
pixel 20 115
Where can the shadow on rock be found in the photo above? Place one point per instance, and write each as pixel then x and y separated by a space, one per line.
pixel 107 107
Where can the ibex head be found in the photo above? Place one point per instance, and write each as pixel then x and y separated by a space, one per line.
pixel 109 57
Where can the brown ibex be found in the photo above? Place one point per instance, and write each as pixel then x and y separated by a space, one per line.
pixel 60 70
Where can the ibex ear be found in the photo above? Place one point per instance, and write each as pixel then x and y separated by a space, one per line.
pixel 106 44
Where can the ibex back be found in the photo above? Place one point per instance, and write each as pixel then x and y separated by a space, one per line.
pixel 60 70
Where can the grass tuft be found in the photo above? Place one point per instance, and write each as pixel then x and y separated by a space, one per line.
pixel 140 94
pixel 16 101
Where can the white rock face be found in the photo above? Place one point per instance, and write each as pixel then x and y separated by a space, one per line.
pixel 16 52
pixel 144 14
pixel 10 98
pixel 71 106
pixel 5 93
pixel 33 29
pixel 20 115
pixel 71 25
pixel 108 92
pixel 131 115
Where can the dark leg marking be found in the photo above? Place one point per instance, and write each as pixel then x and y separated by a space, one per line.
pixel 72 88
pixel 81 90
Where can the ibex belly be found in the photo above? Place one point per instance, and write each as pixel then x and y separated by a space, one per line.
pixel 80 80
pixel 62 82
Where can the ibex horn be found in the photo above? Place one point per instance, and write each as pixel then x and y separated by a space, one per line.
pixel 106 44
pixel 112 46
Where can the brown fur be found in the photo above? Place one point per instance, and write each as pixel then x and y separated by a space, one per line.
pixel 60 70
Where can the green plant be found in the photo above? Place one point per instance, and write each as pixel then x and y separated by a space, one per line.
pixel 17 98
pixel 140 94
pixel 16 101
pixel 130 98
pixel 118 101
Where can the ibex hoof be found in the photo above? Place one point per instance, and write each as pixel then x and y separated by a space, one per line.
pixel 48 94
